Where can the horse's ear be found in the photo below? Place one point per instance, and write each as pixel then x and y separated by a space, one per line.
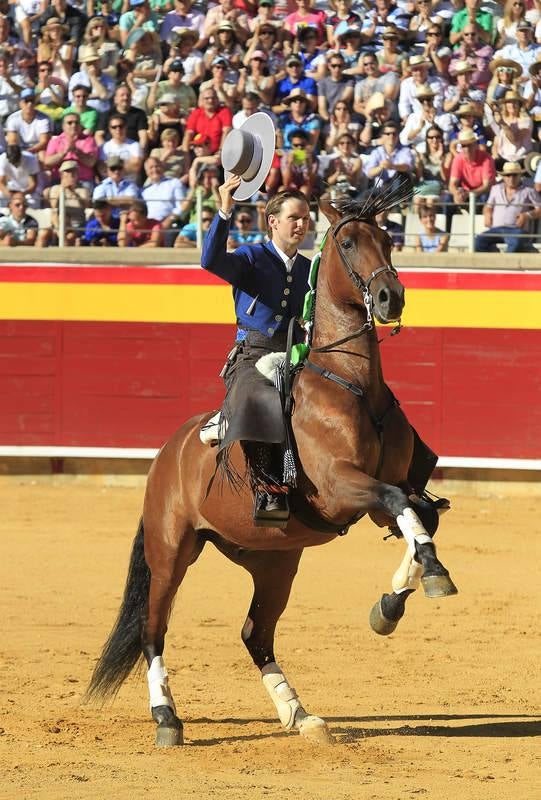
pixel 332 214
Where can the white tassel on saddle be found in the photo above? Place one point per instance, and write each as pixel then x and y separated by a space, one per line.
pixel 158 685
pixel 267 364
pixel 214 430
pixel 284 698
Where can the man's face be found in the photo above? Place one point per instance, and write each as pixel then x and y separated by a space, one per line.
pixel 209 101
pixel 123 97
pixel 469 34
pixel 70 176
pixel 154 169
pixel 249 107
pixel 71 125
pixel 290 225
pixel 115 173
pixel 117 128
pixel 17 206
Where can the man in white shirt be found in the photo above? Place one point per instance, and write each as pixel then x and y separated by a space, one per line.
pixel 18 171
pixel 163 197
pixel 126 149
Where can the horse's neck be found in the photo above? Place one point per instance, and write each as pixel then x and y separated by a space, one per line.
pixel 357 360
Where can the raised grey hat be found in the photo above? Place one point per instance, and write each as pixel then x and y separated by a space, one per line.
pixel 248 152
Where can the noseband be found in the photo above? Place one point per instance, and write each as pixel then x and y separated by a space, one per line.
pixel 360 284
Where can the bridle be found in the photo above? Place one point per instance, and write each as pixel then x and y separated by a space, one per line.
pixel 360 284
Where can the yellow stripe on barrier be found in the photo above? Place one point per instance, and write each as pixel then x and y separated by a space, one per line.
pixel 213 304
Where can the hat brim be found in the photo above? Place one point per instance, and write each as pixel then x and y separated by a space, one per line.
pixel 262 126
pixel 531 162
pixel 514 172
pixel 498 63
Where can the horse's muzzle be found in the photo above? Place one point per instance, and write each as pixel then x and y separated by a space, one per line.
pixel 388 299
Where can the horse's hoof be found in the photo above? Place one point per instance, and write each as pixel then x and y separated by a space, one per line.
pixel 379 622
pixel 168 736
pixel 438 586
pixel 315 730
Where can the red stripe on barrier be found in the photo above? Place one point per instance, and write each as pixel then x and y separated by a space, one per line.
pixel 195 276
pixel 184 276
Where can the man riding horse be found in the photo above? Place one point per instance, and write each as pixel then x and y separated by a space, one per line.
pixel 270 282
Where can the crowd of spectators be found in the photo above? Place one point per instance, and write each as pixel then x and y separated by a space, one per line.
pixel 121 107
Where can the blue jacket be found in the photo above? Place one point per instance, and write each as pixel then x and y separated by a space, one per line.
pixel 257 273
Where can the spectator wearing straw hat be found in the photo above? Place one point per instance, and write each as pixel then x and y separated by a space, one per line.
pixel 505 75
pixel 67 14
pixel 182 48
pixel 299 115
pixel 512 127
pixel 226 12
pixel 77 199
pixel 472 170
pixel 463 91
pixel 508 213
pixel 417 124
pixel 532 93
pixel 419 67
pixel 101 86
pixel 374 82
pixel 478 52
pixel 295 79
pixel 183 16
pixel 469 117
pixel 383 14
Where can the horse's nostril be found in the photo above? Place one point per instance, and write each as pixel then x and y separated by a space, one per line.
pixel 383 296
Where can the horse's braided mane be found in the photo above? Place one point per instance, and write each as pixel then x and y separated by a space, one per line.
pixel 382 197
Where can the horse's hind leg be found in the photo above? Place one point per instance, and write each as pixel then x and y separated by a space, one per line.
pixel 273 575
pixel 168 558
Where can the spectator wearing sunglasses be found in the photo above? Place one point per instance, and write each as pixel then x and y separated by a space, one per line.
pixel 118 190
pixel 470 15
pixel 390 157
pixel 524 51
pixel 18 228
pixel 335 87
pixel 73 145
pixel 120 145
pixel 28 128
pixel 477 52
pixel 187 236
pixel 245 231
pixel 79 105
pixel 505 75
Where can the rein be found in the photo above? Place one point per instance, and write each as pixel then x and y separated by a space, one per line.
pixel 359 284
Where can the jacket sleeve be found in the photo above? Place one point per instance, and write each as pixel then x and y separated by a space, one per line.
pixel 235 268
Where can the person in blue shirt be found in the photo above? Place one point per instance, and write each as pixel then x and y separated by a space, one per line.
pixel 101 230
pixel 269 283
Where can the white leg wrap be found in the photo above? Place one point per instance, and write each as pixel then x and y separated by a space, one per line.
pixel 284 698
pixel 412 529
pixel 408 575
pixel 158 685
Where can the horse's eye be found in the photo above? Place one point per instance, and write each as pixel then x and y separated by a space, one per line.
pixel 347 244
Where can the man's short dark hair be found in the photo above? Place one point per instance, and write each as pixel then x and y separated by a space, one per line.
pixel 100 205
pixel 140 206
pixel 300 133
pixel 13 154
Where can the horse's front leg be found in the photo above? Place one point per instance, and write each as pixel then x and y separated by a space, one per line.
pixel 273 575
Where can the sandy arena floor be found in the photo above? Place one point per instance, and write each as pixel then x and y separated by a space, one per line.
pixel 447 707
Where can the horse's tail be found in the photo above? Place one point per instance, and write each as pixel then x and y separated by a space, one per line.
pixel 123 648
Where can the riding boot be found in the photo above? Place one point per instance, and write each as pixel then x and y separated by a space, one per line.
pixel 271 507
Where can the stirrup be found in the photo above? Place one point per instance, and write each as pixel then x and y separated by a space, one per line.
pixel 270 510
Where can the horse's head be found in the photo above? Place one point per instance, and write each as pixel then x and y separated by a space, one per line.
pixel 362 259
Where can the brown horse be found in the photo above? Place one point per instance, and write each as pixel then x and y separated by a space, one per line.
pixel 354 452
